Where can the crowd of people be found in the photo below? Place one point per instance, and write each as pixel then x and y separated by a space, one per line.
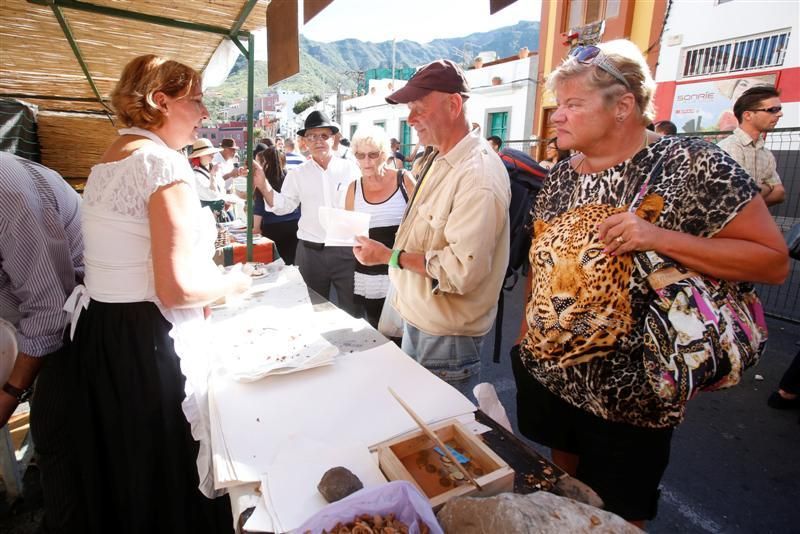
pixel 133 260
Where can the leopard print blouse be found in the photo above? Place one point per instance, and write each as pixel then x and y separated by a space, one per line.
pixel 702 189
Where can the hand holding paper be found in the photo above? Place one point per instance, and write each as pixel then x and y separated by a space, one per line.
pixel 370 252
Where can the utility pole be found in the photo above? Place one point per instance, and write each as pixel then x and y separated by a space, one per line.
pixel 339 104
pixel 394 56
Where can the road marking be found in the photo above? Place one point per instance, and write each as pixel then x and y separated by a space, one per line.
pixel 694 516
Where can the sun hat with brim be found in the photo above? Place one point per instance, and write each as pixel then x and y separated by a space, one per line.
pixel 318 119
pixel 441 75
pixel 203 147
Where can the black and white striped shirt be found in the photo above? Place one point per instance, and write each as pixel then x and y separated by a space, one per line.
pixel 41 251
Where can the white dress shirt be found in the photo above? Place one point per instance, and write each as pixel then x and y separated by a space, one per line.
pixel 310 186
pixel 226 166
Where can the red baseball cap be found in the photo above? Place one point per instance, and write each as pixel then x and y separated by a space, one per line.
pixel 441 75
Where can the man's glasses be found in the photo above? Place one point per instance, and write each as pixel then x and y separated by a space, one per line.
pixel 591 55
pixel 773 109
pixel 317 137
pixel 362 155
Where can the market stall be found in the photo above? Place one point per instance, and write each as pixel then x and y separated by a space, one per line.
pixel 305 387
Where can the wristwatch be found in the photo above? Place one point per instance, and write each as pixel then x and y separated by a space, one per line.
pixel 20 394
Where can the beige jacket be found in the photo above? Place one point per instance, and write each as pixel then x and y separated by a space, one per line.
pixel 459 219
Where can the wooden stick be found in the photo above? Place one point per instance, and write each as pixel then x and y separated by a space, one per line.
pixel 432 435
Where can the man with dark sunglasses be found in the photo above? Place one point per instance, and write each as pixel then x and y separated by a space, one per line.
pixel 758 111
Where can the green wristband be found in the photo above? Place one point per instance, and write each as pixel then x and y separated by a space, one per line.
pixel 394 259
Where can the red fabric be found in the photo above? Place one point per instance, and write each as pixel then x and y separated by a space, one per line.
pixel 263 252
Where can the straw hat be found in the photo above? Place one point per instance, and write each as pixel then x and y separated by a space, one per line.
pixel 203 147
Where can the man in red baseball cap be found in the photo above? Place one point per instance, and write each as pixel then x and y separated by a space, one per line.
pixel 441 75
pixel 451 250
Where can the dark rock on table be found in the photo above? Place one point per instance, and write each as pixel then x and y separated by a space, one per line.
pixel 337 483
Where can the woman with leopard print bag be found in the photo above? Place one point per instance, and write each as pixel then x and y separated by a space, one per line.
pixel 583 379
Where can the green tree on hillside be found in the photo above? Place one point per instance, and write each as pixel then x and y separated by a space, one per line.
pixel 305 103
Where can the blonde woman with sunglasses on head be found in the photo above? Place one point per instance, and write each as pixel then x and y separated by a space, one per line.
pixel 584 385
pixel 382 192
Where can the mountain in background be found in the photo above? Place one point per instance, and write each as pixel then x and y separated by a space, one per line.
pixel 324 66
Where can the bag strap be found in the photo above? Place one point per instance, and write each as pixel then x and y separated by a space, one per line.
pixel 401 185
pixel 498 328
pixel 662 278
pixel 648 262
pixel 656 171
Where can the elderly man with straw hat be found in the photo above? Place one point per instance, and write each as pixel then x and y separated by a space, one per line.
pixel 226 159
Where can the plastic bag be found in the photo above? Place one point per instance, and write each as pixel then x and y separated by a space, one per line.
pixel 390 323
pixel 400 498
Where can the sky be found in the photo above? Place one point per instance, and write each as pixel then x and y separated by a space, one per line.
pixel 415 20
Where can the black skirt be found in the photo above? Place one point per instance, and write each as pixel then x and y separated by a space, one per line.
pixel 137 454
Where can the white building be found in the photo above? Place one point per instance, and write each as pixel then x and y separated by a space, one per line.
pixel 713 50
pixel 501 103
pixel 285 114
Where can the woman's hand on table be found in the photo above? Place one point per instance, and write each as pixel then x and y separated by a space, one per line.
pixel 370 252
pixel 627 232
pixel 239 281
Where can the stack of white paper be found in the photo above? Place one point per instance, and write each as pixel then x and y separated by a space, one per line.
pixel 267 331
pixel 289 488
pixel 284 429
pixel 347 401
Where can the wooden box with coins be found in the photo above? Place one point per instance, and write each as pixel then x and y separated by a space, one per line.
pixel 417 459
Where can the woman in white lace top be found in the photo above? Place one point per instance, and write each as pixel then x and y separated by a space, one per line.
pixel 148 274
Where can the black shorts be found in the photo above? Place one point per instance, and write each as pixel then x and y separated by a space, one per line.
pixel 622 463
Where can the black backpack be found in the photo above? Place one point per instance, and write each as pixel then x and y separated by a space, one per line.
pixel 526 178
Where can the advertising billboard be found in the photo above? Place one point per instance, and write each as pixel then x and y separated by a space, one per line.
pixel 708 106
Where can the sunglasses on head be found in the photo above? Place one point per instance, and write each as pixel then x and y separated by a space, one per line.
pixel 773 109
pixel 362 155
pixel 591 55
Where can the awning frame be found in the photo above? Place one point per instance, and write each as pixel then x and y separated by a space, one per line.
pixel 234 33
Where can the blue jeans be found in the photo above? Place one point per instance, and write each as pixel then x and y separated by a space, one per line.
pixel 454 359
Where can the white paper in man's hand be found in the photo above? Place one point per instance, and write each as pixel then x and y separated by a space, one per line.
pixel 342 226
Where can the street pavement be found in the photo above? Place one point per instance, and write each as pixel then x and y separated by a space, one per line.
pixel 735 462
